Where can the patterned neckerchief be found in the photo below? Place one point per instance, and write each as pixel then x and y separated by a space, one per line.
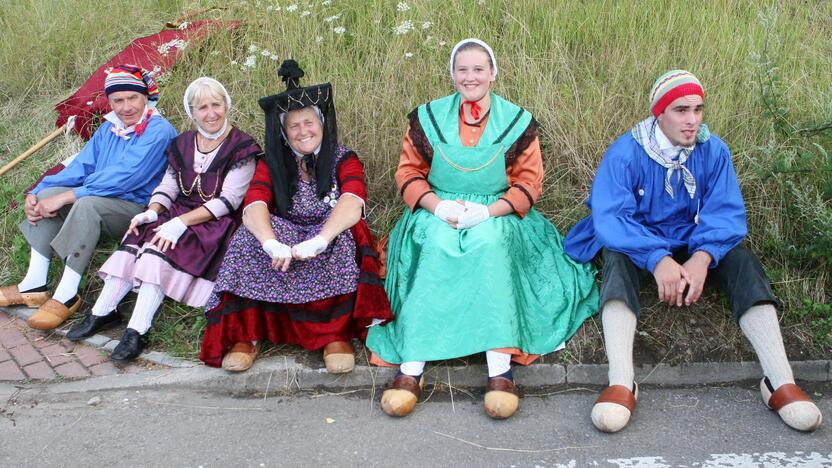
pixel 645 134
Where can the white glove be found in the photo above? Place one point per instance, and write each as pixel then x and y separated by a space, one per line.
pixel 447 209
pixel 277 249
pixel 172 230
pixel 148 216
pixel 475 213
pixel 310 248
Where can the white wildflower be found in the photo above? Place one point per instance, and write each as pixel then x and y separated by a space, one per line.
pixel 233 62
pixel 339 30
pixel 252 48
pixel 292 7
pixel 408 54
pixel 270 8
pixel 319 39
pixel 403 28
pixel 265 53
pixel 174 44
pixel 326 3
pixel 402 6
pixel 427 25
pixel 305 13
pixel 330 19
pixel 273 57
pixel 251 61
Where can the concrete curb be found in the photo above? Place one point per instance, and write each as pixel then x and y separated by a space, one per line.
pixel 284 374
pixel 281 374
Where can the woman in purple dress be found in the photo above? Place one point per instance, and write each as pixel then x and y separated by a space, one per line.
pixel 175 248
pixel 303 268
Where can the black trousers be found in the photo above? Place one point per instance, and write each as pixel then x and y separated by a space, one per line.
pixel 739 275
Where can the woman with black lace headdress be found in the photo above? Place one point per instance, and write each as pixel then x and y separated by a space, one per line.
pixel 302 269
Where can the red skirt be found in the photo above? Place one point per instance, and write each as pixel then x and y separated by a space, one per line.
pixel 312 325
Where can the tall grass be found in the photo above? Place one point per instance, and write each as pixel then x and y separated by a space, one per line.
pixel 582 68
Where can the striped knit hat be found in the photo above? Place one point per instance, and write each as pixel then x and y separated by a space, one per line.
pixel 131 78
pixel 671 86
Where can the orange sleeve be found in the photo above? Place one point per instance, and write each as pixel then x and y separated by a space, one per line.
pixel 412 174
pixel 525 179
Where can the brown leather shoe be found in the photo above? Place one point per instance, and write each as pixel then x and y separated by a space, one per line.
pixel 501 398
pixel 241 356
pixel 792 404
pixel 11 296
pixel 401 396
pixel 613 408
pixel 52 314
pixel 339 357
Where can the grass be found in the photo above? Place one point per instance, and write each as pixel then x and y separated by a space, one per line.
pixel 582 68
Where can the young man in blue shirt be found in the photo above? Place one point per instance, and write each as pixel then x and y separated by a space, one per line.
pixel 666 202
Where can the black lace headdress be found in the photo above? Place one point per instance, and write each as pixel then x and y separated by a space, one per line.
pixel 279 157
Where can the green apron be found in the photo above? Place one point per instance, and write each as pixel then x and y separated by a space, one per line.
pixel 504 283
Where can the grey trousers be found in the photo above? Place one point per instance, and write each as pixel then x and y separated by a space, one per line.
pixel 73 234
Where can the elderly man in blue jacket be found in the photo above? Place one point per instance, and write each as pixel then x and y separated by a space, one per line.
pixel 666 202
pixel 107 184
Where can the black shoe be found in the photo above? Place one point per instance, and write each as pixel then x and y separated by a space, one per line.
pixel 129 348
pixel 93 324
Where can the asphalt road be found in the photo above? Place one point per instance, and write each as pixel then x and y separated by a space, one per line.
pixel 705 426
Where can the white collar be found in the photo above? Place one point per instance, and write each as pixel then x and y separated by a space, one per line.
pixel 662 140
pixel 300 155
pixel 112 117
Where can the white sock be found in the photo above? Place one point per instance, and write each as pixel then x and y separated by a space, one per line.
pixel 619 324
pixel 112 293
pixel 498 363
pixel 37 273
pixel 759 324
pixel 147 303
pixel 413 368
pixel 68 287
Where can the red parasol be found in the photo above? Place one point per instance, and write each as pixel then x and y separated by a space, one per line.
pixel 156 53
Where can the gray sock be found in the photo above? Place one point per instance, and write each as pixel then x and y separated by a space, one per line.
pixel 619 332
pixel 760 326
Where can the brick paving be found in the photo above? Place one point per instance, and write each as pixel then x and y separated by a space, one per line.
pixel 34 355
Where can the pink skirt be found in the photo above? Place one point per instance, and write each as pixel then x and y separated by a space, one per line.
pixel 148 264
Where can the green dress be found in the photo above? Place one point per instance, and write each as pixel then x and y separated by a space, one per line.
pixel 504 283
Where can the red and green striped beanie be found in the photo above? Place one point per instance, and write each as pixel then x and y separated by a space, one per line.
pixel 671 86
pixel 131 78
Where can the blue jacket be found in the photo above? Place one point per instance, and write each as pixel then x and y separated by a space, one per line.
pixel 633 214
pixel 109 166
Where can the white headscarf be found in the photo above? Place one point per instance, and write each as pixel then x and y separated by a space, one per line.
pixel 484 46
pixel 186 101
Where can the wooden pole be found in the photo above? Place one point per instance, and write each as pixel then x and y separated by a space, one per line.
pixel 37 146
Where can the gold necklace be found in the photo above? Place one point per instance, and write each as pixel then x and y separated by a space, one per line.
pixel 198 184
pixel 470 169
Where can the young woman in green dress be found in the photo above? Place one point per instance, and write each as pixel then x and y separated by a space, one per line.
pixel 471 265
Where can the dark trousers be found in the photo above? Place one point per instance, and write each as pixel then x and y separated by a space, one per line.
pixel 739 275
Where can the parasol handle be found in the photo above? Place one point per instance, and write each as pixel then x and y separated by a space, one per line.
pixel 191 14
pixel 37 146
